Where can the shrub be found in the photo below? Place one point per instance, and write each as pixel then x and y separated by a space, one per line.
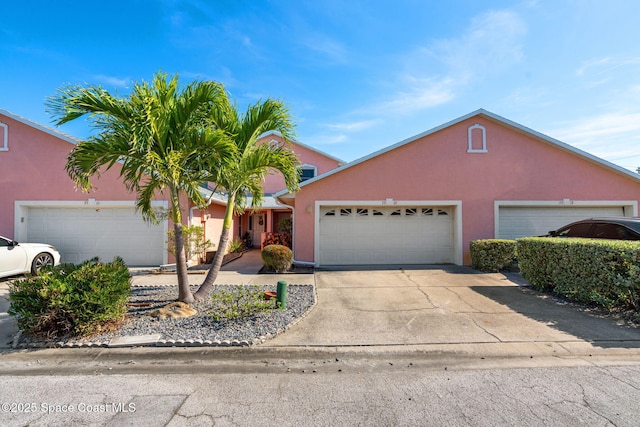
pixel 492 254
pixel 277 258
pixel 238 303
pixel 236 245
pixel 603 272
pixel 71 300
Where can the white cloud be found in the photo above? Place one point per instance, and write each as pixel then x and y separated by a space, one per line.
pixel 435 74
pixel 326 46
pixel 326 139
pixel 422 94
pixel 611 136
pixel 112 81
pixel 494 41
pixel 593 129
pixel 605 65
pixel 352 126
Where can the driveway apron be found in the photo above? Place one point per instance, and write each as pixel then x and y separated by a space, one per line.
pixel 444 305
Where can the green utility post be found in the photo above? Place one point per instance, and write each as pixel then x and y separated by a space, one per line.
pixel 281 295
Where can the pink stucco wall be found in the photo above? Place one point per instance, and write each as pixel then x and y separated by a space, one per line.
pixel 517 166
pixel 34 169
pixel 274 182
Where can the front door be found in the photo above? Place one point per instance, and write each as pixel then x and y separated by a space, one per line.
pixel 257 222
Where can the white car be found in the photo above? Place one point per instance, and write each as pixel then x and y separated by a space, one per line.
pixel 20 258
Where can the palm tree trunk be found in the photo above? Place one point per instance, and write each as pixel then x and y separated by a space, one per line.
pixel 184 292
pixel 205 289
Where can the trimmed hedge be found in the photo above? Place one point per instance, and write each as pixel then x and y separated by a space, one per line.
pixel 71 300
pixel 604 272
pixel 492 255
pixel 277 258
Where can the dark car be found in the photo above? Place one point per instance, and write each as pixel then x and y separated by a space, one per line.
pixel 623 228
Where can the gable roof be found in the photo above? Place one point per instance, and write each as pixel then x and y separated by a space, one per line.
pixel 492 117
pixel 308 147
pixel 42 128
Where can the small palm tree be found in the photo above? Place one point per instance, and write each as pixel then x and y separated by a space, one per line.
pixel 251 162
pixel 158 138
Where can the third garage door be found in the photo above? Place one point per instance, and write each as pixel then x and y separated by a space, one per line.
pixel 364 235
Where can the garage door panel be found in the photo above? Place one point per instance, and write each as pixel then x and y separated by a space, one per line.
pixel 384 235
pixel 83 233
pixel 523 221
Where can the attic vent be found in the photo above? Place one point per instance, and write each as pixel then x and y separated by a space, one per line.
pixel 4 137
pixel 477 139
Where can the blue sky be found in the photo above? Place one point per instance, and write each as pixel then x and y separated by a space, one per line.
pixel 357 75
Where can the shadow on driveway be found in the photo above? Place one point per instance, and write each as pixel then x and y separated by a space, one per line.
pixel 585 323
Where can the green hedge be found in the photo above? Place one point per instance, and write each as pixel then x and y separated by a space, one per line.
pixel 71 300
pixel 277 258
pixel 604 272
pixel 492 254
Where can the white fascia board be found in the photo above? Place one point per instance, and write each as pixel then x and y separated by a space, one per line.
pixel 562 145
pixel 71 139
pixel 489 115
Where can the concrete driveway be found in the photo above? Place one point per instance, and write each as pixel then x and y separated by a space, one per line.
pixel 451 309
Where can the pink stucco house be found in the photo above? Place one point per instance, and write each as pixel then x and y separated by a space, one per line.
pixel 419 201
pixel 424 199
pixel 259 224
pixel 39 203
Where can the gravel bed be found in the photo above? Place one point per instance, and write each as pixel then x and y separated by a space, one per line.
pixel 201 326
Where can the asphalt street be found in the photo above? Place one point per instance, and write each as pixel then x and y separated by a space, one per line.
pixel 427 345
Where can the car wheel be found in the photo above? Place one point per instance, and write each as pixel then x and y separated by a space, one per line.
pixel 41 260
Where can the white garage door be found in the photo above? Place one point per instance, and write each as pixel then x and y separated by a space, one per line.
pixel 362 235
pixel 523 221
pixel 83 233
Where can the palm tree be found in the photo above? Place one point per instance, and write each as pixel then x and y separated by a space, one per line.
pixel 244 175
pixel 157 137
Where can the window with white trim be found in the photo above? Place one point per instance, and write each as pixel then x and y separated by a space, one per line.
pixel 4 137
pixel 477 139
pixel 307 172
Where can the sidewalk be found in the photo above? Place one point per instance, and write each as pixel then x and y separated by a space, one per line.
pixel 441 313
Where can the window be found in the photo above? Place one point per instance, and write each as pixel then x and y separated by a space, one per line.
pixel 362 212
pixel 612 231
pixel 410 211
pixel 274 143
pixel 376 212
pixel 332 212
pixel 345 211
pixel 307 172
pixel 4 137
pixel 477 139
pixel 576 230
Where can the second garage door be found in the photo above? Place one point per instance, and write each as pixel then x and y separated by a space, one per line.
pixel 523 221
pixel 366 235
pixel 83 233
